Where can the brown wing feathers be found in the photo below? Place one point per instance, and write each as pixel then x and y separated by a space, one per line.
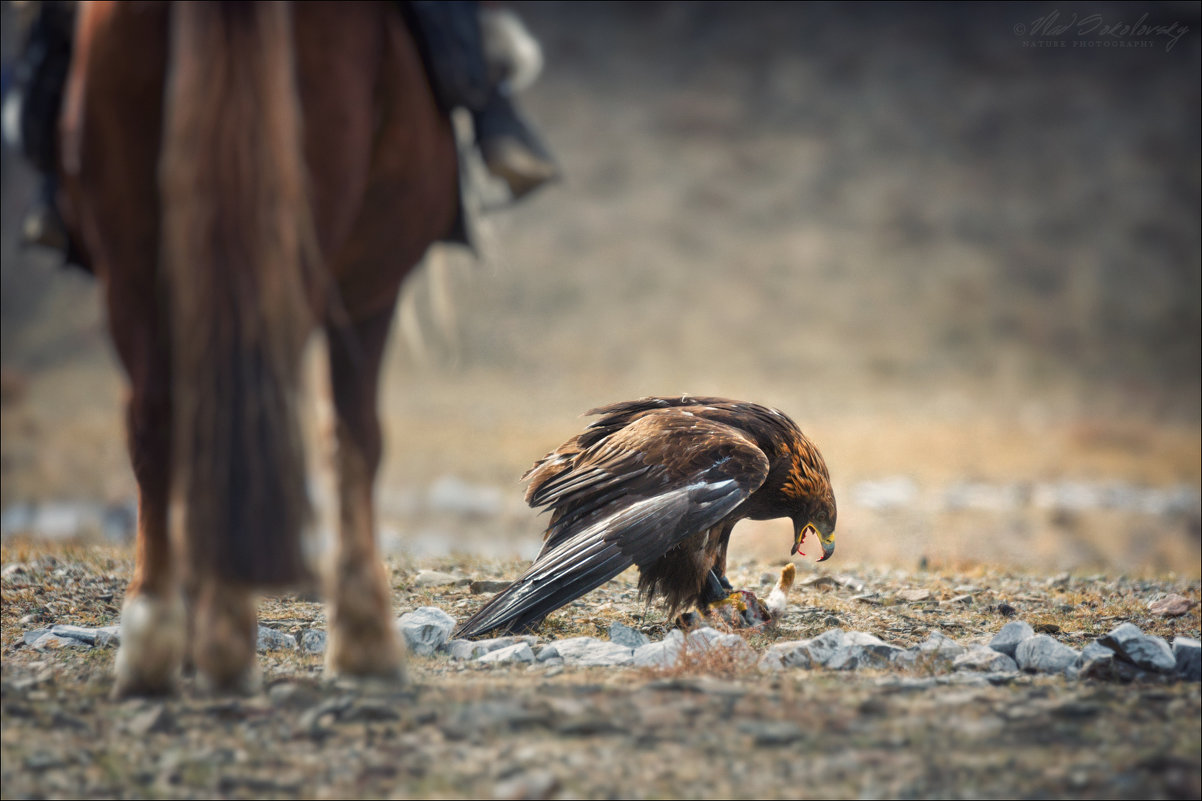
pixel 654 477
pixel 637 534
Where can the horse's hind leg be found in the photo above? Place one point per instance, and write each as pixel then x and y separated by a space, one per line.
pixel 153 626
pixel 363 641
pixel 155 631
pixel 226 630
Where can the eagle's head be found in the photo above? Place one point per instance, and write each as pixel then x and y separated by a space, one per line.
pixel 817 518
pixel 809 494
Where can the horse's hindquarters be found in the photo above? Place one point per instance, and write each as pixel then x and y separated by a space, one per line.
pixel 194 212
pixel 382 157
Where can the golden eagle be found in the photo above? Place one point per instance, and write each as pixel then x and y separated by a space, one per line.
pixel 660 483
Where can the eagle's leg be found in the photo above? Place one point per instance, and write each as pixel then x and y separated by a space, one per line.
pixel 714 590
pixel 712 601
pixel 719 568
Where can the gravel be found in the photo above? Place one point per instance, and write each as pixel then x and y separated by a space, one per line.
pixel 484 717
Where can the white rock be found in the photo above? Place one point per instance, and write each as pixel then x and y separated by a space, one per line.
pixel 1142 650
pixel 705 637
pixel 664 653
pixel 33 635
pixel 861 638
pixel 621 634
pixel 589 652
pixel 1092 663
pixel 1094 667
pixel 860 650
pixel 434 578
pixel 1014 632
pixel 102 636
pixel 425 629
pixel 1188 653
pixel 939 645
pixel 570 647
pixel 795 654
pixel 51 642
pixel 518 652
pixel 1094 650
pixel 313 641
pixel 983 658
pixel 465 649
pixel 474 649
pixel 271 640
pixel 824 646
pixel 850 582
pixel 1044 654
pixel 707 640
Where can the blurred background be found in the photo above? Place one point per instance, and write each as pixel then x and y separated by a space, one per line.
pixel 963 257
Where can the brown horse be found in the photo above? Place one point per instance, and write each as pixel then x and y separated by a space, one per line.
pixel 240 174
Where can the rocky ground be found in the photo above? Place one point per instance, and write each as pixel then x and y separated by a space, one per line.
pixel 722 721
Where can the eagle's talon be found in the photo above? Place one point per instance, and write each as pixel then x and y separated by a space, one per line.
pixel 733 599
pixel 741 609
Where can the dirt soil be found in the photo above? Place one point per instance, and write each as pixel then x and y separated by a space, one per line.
pixel 705 729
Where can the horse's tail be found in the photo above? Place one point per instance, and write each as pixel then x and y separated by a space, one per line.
pixel 239 264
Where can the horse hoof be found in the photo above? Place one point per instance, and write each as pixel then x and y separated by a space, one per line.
pixel 359 660
pixel 153 643
pixel 134 683
pixel 247 681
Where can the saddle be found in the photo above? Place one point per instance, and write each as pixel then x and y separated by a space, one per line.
pixel 468 66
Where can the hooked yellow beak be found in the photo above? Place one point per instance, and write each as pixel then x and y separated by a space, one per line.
pixel 827 541
pixel 828 546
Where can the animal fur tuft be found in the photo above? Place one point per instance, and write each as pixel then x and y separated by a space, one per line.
pixel 778 599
